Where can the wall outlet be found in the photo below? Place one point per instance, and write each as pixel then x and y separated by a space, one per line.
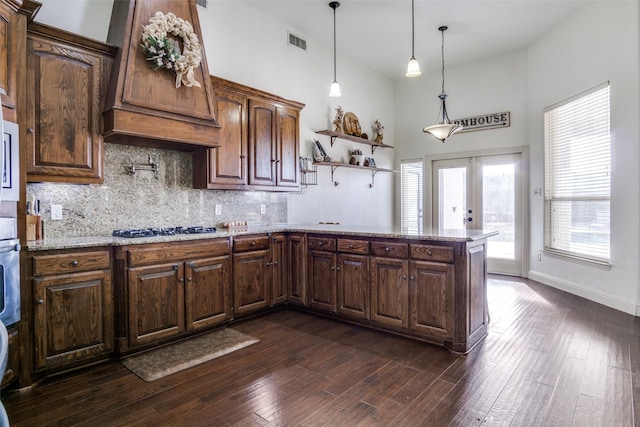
pixel 263 209
pixel 218 209
pixel 56 212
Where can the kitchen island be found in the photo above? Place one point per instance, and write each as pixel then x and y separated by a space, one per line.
pixel 148 291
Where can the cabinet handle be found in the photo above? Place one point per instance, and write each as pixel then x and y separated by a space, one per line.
pixel 404 277
pixel 242 156
pixel 387 249
pixel 275 262
pixel 332 268
pixel 320 244
pixel 181 280
pixel 338 268
pixel 40 301
pixel 189 279
pixel 253 243
pixel 192 264
pixel 268 264
pixel 412 278
pixel 175 267
pixel 350 246
pixel 75 263
pixel 29 130
pixel 430 252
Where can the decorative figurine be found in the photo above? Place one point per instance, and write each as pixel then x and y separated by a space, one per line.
pixel 378 129
pixel 337 121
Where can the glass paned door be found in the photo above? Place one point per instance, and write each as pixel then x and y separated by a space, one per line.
pixel 483 192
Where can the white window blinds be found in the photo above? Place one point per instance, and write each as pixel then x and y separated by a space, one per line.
pixel 577 175
pixel 411 195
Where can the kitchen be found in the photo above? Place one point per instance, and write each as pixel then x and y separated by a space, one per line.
pixel 522 81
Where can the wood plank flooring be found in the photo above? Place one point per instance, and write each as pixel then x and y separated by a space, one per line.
pixel 550 359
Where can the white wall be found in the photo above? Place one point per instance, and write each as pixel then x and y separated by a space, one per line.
pixel 248 47
pixel 598 43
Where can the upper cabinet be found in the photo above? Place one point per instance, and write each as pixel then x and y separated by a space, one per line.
pixel 156 107
pixel 259 141
pixel 13 22
pixel 66 82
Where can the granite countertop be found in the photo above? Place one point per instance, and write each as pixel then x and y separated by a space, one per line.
pixel 337 229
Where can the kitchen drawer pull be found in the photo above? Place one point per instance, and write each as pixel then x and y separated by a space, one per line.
pixel 387 249
pixel 350 246
pixel 275 262
pixel 181 280
pixel 40 301
pixel 333 268
pixel 29 130
pixel 404 277
pixel 430 252
pixel 320 243
pixel 412 278
pixel 268 264
pixel 175 267
pixel 75 263
pixel 338 268
pixel 253 243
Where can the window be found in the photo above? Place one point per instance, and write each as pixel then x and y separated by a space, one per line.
pixel 577 176
pixel 411 194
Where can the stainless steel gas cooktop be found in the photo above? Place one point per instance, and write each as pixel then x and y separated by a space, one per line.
pixel 151 232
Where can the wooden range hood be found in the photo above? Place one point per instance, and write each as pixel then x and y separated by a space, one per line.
pixel 143 106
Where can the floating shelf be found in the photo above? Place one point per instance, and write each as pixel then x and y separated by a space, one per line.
pixel 337 135
pixel 336 165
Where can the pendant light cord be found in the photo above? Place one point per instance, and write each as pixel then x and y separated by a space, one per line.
pixel 413 34
pixel 442 30
pixel 334 43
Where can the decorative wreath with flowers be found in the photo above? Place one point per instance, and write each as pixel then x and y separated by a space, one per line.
pixel 164 52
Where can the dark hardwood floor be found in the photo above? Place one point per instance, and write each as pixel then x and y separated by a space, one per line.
pixel 550 359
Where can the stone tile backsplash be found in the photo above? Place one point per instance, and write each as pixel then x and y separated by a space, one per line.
pixel 141 200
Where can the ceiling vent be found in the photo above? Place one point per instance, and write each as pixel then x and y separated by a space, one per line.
pixel 297 41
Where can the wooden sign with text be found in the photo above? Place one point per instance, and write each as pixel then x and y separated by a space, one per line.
pixel 485 121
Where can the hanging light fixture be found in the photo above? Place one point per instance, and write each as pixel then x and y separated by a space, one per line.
pixel 444 128
pixel 334 90
pixel 413 68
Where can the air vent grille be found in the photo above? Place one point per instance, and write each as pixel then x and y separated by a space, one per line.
pixel 202 3
pixel 297 41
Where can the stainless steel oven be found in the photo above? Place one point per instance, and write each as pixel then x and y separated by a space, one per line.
pixel 9 272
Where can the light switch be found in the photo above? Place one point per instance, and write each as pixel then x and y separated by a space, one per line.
pixel 56 212
pixel 263 209
pixel 218 209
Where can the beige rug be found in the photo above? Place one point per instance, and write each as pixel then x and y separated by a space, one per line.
pixel 172 358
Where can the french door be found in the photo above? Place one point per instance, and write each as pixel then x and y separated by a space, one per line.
pixel 483 192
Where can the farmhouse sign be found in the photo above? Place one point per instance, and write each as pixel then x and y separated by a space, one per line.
pixel 485 121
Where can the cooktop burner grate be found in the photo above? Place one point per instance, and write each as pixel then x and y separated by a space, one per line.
pixel 171 231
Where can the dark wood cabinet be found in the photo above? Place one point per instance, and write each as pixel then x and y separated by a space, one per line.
pixel 279 277
pixel 252 274
pixel 66 83
pixel 322 280
pixel 13 357
pixel 431 288
pixel 73 307
pixel 259 141
pixel 296 268
pixel 390 291
pixel 353 285
pixel 207 292
pixel 156 302
pixel 11 45
pixel 171 289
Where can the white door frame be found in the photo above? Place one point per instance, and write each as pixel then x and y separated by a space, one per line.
pixel 429 196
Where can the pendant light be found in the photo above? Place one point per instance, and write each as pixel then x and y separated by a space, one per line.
pixel 413 68
pixel 444 128
pixel 334 90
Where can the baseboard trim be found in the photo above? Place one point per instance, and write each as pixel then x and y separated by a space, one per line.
pixel 630 307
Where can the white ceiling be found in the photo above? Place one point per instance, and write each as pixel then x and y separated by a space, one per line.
pixel 377 33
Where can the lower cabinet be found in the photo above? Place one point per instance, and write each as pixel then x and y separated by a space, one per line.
pixel 322 280
pixel 173 289
pixel 73 307
pixel 296 268
pixel 390 292
pixel 353 286
pixel 278 256
pixel 431 295
pixel 252 274
pixel 13 358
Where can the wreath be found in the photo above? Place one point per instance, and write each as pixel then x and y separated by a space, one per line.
pixel 164 52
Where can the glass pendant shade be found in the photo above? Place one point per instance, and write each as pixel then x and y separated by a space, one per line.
pixel 413 68
pixel 334 90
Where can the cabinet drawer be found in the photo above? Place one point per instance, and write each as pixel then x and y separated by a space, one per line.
pixel 71 262
pixel 176 251
pixel 432 253
pixel 390 250
pixel 351 246
pixel 250 243
pixel 321 244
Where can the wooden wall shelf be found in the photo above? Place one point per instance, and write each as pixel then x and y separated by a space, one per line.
pixel 337 135
pixel 336 165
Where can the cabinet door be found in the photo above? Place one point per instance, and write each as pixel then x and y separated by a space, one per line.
pixel 353 285
pixel 64 140
pixel 296 269
pixel 156 302
pixel 279 283
pixel 207 292
pixel 262 143
pixel 322 280
pixel 73 318
pixel 287 162
pixel 431 290
pixel 390 291
pixel 251 281
pixel 227 164
pixel 9 56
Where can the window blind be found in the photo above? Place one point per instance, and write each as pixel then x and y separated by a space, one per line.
pixel 577 175
pixel 411 195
